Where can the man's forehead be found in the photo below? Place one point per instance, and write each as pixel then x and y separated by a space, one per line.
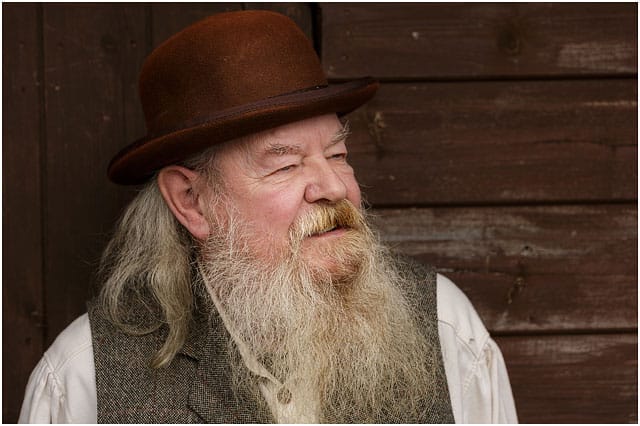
pixel 281 141
pixel 284 140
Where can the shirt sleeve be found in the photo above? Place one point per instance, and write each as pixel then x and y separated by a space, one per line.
pixel 43 399
pixel 476 373
pixel 488 397
pixel 61 388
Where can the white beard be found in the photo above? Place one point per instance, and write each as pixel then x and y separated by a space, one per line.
pixel 348 335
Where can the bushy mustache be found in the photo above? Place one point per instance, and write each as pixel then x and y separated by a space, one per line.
pixel 326 217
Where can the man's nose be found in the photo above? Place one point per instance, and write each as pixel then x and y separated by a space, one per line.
pixel 325 184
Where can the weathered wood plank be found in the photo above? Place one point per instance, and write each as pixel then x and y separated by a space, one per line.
pixel 417 41
pixel 497 142
pixel 574 379
pixel 530 269
pixel 90 50
pixel 22 292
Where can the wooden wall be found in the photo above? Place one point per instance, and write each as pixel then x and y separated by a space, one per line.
pixel 501 147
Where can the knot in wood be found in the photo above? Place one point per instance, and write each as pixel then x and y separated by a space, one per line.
pixel 509 42
pixel 108 43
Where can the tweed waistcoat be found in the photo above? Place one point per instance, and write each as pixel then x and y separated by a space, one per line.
pixel 196 386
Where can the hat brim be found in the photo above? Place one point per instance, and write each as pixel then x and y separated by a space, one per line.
pixel 139 161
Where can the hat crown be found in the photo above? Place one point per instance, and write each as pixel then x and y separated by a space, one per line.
pixel 228 76
pixel 225 61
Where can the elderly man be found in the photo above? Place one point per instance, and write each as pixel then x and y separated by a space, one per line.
pixel 244 284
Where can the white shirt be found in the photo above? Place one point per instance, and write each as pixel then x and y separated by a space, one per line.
pixel 62 387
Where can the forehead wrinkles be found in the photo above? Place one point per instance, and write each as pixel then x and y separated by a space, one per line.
pixel 274 142
pixel 274 146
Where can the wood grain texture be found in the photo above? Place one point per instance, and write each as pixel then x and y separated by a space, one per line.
pixel 574 379
pixel 22 294
pixel 90 50
pixel 462 41
pixel 530 269
pixel 497 142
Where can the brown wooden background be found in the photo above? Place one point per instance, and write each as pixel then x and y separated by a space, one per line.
pixel 502 147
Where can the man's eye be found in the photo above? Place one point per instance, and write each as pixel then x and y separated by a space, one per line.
pixel 286 168
pixel 341 156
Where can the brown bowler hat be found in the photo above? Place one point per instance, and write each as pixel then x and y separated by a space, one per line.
pixel 224 77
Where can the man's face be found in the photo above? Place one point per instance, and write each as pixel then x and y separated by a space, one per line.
pixel 275 177
pixel 324 311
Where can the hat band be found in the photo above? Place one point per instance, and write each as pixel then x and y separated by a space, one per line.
pixel 278 100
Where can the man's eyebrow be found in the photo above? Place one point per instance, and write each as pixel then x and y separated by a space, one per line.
pixel 280 149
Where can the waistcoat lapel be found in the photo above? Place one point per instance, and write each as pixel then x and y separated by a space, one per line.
pixel 211 395
pixel 439 411
pixel 194 388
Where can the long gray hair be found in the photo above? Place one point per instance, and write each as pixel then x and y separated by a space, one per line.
pixel 147 269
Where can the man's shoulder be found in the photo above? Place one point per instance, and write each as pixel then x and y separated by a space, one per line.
pixel 72 345
pixel 457 318
pixel 61 388
pixel 456 313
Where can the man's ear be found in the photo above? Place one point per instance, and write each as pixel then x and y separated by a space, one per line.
pixel 180 191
